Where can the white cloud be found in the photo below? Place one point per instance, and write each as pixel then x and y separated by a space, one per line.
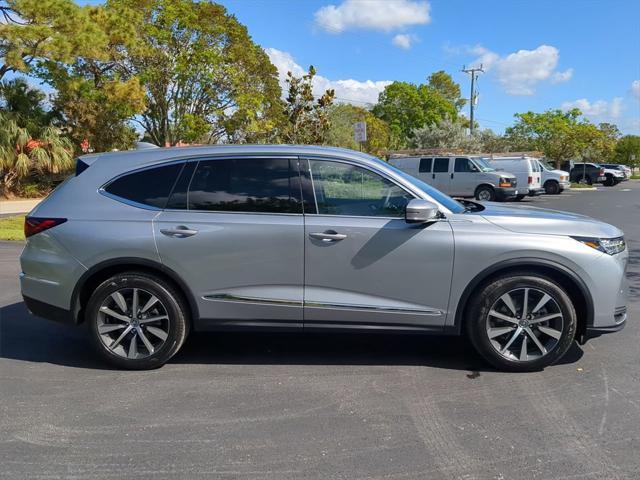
pixel 600 110
pixel 384 15
pixel 347 91
pixel 519 72
pixel 403 40
pixel 561 77
pixel 635 89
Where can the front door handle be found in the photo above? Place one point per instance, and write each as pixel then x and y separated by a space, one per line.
pixel 328 236
pixel 179 232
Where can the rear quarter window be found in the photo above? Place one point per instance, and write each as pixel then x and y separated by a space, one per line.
pixel 150 187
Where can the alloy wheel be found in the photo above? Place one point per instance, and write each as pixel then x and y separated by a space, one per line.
pixel 524 324
pixel 132 323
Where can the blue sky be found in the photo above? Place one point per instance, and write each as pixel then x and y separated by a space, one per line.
pixel 541 54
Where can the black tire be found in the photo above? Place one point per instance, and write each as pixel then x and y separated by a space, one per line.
pixel 171 300
pixel 485 193
pixel 551 187
pixel 610 181
pixel 519 197
pixel 586 179
pixel 481 303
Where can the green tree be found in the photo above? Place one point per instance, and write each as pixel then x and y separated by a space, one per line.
pixel 406 107
pixel 446 134
pixel 205 79
pixel 627 150
pixel 35 30
pixel 308 118
pixel 560 135
pixel 22 156
pixel 341 134
pixel 25 105
pixel 442 83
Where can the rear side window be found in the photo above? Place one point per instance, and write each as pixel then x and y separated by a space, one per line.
pixel 441 165
pixel 425 165
pixel 150 187
pixel 266 185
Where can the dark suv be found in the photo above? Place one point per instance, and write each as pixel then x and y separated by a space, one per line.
pixel 589 173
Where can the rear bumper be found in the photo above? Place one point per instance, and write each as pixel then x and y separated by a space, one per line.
pixel 48 311
pixel 533 192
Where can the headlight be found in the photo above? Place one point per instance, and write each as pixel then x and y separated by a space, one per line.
pixel 505 182
pixel 605 245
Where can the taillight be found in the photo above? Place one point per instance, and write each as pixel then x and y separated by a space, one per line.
pixel 530 180
pixel 33 225
pixel 602 172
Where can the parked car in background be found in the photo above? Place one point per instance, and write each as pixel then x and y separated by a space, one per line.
pixel 553 181
pixel 588 173
pixel 526 169
pixel 460 176
pixel 145 246
pixel 626 171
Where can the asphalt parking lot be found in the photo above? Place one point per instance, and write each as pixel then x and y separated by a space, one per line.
pixel 323 407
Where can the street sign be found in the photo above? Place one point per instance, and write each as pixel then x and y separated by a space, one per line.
pixel 360 132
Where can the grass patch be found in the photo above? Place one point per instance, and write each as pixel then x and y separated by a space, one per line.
pixel 580 185
pixel 12 228
pixel 635 177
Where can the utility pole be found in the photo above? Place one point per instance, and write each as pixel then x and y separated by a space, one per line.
pixel 474 75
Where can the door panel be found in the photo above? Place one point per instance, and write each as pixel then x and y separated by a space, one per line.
pixel 465 178
pixel 244 268
pixel 441 175
pixel 373 269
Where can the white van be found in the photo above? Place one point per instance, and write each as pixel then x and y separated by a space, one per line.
pixel 526 169
pixel 460 176
pixel 553 181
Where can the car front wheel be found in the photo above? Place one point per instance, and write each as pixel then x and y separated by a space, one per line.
pixel 485 193
pixel 552 188
pixel 136 320
pixel 521 322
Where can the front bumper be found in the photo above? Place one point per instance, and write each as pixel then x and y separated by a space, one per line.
pixel 503 193
pixel 565 185
pixel 620 319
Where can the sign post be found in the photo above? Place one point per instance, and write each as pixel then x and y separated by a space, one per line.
pixel 360 133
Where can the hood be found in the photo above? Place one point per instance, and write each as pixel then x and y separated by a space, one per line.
pixel 526 219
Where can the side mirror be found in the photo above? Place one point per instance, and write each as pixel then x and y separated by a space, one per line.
pixel 420 211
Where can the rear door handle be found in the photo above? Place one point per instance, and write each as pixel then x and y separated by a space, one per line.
pixel 328 236
pixel 180 232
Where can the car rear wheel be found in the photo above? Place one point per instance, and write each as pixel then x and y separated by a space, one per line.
pixel 585 179
pixel 137 321
pixel 552 187
pixel 521 322
pixel 485 193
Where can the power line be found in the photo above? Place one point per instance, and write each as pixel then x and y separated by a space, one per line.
pixel 472 98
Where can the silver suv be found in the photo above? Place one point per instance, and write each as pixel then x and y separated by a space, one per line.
pixel 145 246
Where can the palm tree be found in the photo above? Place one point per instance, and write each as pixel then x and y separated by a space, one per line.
pixel 22 156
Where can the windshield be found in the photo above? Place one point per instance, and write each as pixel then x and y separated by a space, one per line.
pixel 437 195
pixel 484 165
pixel 546 165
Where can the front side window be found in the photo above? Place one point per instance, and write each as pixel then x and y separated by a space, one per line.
pixel 263 185
pixel 464 165
pixel 150 187
pixel 344 189
pixel 441 165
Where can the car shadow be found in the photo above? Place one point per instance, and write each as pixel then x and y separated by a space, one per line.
pixel 27 338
